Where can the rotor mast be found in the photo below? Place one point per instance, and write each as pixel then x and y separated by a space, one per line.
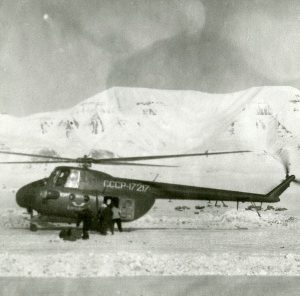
pixel 85 162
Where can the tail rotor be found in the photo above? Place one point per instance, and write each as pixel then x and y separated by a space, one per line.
pixel 284 158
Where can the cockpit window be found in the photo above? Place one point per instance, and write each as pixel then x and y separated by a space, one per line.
pixel 66 178
pixel 73 179
pixel 60 177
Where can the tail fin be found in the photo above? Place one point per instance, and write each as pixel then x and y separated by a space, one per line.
pixel 275 193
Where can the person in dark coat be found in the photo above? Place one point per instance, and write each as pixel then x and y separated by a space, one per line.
pixel 106 219
pixel 87 223
pixel 85 215
pixel 100 217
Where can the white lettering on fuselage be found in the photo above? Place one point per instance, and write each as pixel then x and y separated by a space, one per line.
pixel 124 185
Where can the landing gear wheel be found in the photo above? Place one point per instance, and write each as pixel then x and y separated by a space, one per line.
pixel 33 227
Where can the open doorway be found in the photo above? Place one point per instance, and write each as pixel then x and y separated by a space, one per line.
pixel 113 199
pixel 125 204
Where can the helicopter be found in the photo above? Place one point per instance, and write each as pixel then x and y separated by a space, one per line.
pixel 69 189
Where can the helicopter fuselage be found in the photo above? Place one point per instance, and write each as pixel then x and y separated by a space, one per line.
pixel 69 190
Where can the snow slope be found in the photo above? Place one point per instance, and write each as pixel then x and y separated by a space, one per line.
pixel 134 121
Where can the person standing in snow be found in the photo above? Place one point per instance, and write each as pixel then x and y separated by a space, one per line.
pixel 87 222
pixel 116 217
pixel 85 215
pixel 106 221
pixel 100 217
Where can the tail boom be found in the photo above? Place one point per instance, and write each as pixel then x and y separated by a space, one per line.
pixel 172 191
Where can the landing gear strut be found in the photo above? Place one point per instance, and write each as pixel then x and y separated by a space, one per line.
pixel 253 204
pixel 224 205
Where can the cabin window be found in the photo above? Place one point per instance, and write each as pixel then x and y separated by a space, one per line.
pixel 67 178
pixel 127 207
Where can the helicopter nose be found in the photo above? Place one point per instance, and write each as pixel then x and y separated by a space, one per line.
pixel 23 197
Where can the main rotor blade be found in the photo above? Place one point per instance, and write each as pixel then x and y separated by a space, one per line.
pixel 36 155
pixel 67 161
pixel 135 158
pixel 137 164
pixel 112 160
pixel 29 162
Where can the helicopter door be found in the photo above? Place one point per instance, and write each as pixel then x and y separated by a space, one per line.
pixel 127 207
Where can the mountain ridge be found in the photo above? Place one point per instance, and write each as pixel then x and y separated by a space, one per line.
pixel 139 121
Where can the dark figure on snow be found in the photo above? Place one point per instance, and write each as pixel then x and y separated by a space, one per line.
pixel 68 234
pixel 116 217
pixel 100 217
pixel 85 215
pixel 106 219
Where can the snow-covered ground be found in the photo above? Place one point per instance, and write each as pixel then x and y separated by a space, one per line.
pixel 230 244
pixel 174 238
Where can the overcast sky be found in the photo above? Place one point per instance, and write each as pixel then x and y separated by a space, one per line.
pixel 54 54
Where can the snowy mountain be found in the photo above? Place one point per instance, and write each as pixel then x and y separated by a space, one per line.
pixel 137 121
